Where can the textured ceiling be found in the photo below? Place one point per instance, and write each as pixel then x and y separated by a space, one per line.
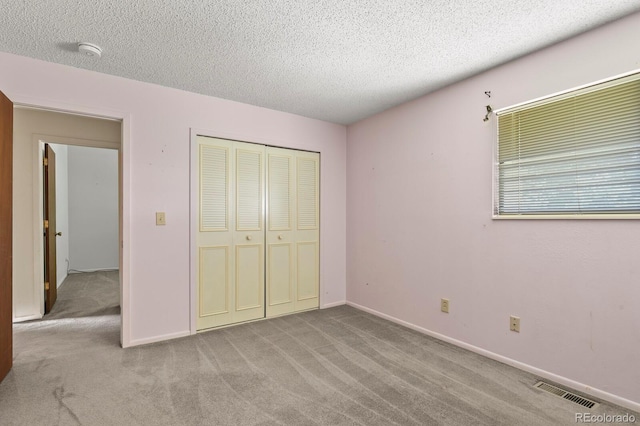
pixel 335 60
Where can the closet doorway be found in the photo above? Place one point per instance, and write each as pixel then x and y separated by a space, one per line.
pixel 257 239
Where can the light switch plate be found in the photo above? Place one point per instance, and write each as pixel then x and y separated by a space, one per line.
pixel 160 218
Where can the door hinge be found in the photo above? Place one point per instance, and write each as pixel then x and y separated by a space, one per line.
pixel 46 224
pixel 46 285
pixel 45 161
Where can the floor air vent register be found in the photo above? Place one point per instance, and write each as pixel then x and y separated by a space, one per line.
pixel 565 394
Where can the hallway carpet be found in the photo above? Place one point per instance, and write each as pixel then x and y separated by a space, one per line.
pixel 338 366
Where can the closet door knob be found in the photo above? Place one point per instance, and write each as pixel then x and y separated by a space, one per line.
pixel 280 236
pixel 248 237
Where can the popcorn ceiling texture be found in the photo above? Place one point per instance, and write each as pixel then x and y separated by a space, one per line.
pixel 334 60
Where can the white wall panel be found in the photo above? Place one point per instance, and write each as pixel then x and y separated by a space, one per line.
pixel 420 228
pixel 158 167
pixel 93 208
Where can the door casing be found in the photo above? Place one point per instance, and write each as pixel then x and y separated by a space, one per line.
pixel 6 231
pixel 40 141
pixel 124 194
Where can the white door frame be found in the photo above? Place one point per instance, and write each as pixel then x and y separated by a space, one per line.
pixel 38 143
pixel 124 171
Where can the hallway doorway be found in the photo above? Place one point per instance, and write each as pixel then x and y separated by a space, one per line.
pixel 88 209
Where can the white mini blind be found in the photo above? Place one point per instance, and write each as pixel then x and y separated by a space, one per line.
pixel 574 154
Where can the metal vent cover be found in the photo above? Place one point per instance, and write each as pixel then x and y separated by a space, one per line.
pixel 565 394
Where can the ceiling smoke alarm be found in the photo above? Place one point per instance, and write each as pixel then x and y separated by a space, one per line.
pixel 89 49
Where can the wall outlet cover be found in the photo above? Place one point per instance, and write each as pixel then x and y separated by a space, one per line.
pixel 444 305
pixel 514 323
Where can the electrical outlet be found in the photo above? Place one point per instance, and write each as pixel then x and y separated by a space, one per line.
pixel 514 324
pixel 444 305
pixel 160 218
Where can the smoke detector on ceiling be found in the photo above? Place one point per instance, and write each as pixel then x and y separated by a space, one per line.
pixel 90 49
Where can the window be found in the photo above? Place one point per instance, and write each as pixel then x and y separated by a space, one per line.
pixel 572 155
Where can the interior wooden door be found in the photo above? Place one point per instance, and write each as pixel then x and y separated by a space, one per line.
pixel 249 231
pixel 6 207
pixel 280 231
pixel 307 231
pixel 230 239
pixel 50 274
pixel 293 260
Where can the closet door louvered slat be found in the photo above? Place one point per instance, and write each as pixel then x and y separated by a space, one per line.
pixel 214 188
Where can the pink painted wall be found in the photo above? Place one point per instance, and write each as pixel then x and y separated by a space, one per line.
pixel 419 187
pixel 159 158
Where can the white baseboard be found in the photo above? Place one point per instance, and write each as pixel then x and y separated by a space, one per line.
pixel 334 304
pixel 161 338
pixel 60 281
pixel 606 396
pixel 27 318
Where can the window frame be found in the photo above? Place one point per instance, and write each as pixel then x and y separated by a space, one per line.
pixel 557 96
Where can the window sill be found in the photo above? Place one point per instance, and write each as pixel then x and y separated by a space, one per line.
pixel 565 216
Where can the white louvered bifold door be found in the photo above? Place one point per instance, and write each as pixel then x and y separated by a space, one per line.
pixel 280 231
pixel 249 231
pixel 307 230
pixel 292 231
pixel 230 238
